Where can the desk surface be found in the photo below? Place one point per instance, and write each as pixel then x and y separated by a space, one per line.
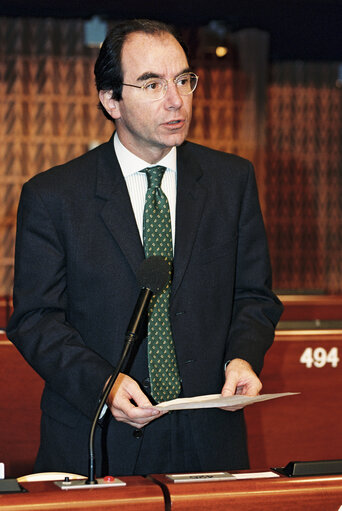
pixel 159 493
pixel 281 493
pixel 139 494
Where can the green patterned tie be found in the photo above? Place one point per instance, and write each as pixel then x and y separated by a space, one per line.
pixel 162 361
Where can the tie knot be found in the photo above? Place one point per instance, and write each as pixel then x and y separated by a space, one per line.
pixel 154 175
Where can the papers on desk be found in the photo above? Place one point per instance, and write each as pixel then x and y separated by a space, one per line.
pixel 255 475
pixel 217 401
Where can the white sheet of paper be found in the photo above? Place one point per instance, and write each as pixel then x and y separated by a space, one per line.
pixel 255 475
pixel 217 401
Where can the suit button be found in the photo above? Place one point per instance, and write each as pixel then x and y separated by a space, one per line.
pixel 146 383
pixel 137 433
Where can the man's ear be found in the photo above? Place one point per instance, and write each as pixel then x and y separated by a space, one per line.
pixel 109 104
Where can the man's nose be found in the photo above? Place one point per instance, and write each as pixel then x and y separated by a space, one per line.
pixel 172 97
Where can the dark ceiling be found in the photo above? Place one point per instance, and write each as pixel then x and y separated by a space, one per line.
pixel 299 29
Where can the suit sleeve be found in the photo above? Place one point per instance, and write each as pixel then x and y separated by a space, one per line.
pixel 39 326
pixel 256 310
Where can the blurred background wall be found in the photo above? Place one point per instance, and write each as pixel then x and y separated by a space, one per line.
pixel 274 96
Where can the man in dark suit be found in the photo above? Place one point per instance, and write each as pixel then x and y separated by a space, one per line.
pixel 79 245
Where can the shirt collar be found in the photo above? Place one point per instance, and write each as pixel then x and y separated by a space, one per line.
pixel 130 163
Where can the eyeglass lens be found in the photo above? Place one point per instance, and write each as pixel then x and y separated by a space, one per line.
pixel 185 83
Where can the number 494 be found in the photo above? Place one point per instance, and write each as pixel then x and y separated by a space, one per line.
pixel 319 357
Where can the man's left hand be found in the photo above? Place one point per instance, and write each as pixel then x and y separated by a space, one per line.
pixel 240 379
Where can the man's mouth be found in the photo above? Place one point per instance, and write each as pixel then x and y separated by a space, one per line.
pixel 176 123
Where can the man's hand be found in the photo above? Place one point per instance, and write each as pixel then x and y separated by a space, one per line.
pixel 119 401
pixel 240 379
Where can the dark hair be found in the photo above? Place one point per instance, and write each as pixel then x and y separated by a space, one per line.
pixel 108 69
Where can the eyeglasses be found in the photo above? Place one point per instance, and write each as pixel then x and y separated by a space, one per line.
pixel 155 88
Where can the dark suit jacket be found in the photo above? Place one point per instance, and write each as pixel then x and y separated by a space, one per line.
pixel 77 253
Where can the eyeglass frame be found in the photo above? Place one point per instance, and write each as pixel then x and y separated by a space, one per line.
pixel 166 83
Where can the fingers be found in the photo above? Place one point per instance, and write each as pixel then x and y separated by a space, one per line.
pixel 241 379
pixel 128 418
pixel 129 404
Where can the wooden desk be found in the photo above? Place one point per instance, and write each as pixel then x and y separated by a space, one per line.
pixel 311 307
pixel 307 426
pixel 281 494
pixel 139 495
pixel 20 392
pixel 304 427
pixel 159 493
pixel 6 308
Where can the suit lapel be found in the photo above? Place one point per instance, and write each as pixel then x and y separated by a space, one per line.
pixel 190 202
pixel 117 211
pixel 118 215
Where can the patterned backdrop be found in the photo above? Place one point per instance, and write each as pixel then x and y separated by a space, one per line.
pixel 304 175
pixel 292 133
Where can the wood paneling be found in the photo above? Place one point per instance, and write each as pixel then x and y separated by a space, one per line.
pixel 20 391
pixel 312 308
pixel 304 179
pixel 306 426
pixel 5 310
pixel 48 115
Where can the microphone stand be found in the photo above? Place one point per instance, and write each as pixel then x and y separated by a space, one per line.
pixel 131 335
pixel 152 276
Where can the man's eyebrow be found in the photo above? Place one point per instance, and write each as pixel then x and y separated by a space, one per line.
pixel 186 70
pixel 149 74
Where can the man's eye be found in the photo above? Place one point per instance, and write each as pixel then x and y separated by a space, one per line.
pixel 183 81
pixel 152 85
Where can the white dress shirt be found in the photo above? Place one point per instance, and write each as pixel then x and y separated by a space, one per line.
pixel 136 182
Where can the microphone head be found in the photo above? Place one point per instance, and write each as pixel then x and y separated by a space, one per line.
pixel 153 273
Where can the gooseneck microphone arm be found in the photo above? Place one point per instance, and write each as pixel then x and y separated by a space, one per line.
pixel 91 469
pixel 152 277
pixel 142 304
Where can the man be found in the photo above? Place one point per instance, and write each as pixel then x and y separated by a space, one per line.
pixel 79 244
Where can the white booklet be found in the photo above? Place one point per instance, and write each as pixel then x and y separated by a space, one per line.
pixel 217 401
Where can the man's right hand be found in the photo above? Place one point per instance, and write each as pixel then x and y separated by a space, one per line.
pixel 120 403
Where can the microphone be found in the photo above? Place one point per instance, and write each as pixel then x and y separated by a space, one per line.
pixel 152 276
